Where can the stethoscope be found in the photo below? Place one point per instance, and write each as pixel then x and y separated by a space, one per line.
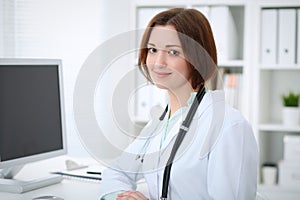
pixel 181 134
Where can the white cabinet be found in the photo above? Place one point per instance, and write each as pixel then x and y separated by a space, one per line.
pixel 277 72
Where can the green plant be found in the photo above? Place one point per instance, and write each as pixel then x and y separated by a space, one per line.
pixel 291 99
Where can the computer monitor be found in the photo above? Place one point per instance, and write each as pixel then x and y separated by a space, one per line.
pixel 32 122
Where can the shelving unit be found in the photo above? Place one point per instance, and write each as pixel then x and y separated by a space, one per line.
pixel 262 84
pixel 272 81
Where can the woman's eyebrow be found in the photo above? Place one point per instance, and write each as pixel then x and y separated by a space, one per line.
pixel 151 44
pixel 168 45
pixel 173 45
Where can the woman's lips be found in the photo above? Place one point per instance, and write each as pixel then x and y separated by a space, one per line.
pixel 161 74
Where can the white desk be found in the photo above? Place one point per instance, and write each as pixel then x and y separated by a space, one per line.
pixel 72 189
pixel 69 189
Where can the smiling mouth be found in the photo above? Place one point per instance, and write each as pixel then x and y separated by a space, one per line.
pixel 162 74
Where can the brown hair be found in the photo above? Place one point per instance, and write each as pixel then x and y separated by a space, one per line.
pixel 196 38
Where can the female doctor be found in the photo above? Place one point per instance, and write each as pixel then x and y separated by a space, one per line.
pixel 198 147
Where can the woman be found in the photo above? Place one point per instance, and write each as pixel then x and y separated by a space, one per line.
pixel 217 157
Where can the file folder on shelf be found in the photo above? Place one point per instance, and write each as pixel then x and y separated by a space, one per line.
pixel 269 36
pixel 287 37
pixel 225 32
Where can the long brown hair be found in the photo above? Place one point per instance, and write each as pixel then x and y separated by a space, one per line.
pixel 196 38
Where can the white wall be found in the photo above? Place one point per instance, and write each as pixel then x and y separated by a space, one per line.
pixel 6 19
pixel 115 17
pixel 1 27
pixel 65 29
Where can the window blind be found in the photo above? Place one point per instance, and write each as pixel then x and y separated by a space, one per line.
pixel 7 32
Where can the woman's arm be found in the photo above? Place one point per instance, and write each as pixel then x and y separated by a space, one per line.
pixel 122 175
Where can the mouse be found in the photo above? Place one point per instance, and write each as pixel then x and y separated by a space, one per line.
pixel 48 197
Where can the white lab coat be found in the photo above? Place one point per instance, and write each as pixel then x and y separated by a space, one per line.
pixel 218 158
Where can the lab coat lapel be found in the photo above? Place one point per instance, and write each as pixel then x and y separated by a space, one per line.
pixel 156 158
pixel 175 129
pixel 213 99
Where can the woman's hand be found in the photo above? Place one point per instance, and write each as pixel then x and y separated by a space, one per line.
pixel 131 195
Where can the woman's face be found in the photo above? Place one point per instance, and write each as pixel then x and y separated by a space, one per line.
pixel 165 59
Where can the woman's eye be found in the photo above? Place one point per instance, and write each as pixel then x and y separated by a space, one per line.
pixel 173 52
pixel 152 50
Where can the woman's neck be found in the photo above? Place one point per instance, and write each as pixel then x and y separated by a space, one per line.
pixel 178 99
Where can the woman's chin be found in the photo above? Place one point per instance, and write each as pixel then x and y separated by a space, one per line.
pixel 161 86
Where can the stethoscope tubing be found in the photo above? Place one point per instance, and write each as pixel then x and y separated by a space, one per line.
pixel 181 134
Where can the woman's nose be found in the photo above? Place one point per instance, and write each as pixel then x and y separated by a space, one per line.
pixel 160 59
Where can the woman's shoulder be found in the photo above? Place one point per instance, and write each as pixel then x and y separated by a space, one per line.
pixel 223 122
pixel 230 115
pixel 234 116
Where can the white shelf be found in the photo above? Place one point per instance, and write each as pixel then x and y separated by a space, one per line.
pixel 280 67
pixel 277 127
pixel 278 4
pixel 232 63
pixel 189 3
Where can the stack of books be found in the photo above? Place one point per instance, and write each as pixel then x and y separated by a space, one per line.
pixel 232 84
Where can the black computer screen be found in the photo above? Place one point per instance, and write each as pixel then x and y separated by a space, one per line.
pixel 30 118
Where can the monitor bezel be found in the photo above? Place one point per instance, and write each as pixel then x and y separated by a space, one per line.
pixel 46 155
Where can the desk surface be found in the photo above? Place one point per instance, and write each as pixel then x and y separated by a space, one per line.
pixel 74 189
pixel 69 189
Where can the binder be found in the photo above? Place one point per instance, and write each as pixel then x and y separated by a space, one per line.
pixel 287 36
pixel 225 32
pixel 269 36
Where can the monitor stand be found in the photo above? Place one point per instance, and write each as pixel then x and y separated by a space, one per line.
pixel 8 184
